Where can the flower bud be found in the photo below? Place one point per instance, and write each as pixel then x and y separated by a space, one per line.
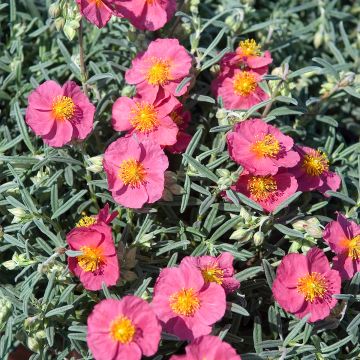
pixel 69 31
pixel 54 10
pixel 245 215
pixel 95 164
pixel 318 38
pixel 5 311
pixel 259 238
pixel 59 23
pixel 128 91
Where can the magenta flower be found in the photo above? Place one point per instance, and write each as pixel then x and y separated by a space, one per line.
pixel 163 65
pixel 241 90
pixel 185 305
pixel 135 171
pixel 103 217
pixel 123 329
pixel 60 114
pixel 343 236
pixel 219 269
pixel 98 262
pixel 305 284
pixel 313 172
pixel 149 117
pixel 261 148
pixel 210 348
pixel 147 14
pixel 182 119
pixel 98 12
pixel 269 191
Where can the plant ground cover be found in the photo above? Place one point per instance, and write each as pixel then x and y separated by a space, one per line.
pixel 206 195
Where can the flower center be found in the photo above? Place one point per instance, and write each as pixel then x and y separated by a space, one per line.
pixel 63 108
pixel 150 2
pixel 185 302
pixel 98 3
pixel 212 273
pixel 244 83
pixel 269 146
pixel 91 259
pixel 353 246
pixel 176 118
pixel 122 330
pixel 159 72
pixel 249 47
pixel 262 187
pixel 313 286
pixel 86 221
pixel 132 172
pixel 315 163
pixel 144 117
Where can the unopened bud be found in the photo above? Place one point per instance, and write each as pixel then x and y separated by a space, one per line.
pixel 59 23
pixel 259 238
pixel 54 10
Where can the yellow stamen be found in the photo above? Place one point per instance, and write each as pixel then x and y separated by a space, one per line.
pixel 159 72
pixel 122 330
pixel 353 246
pixel 98 3
pixel 132 172
pixel 313 286
pixel 176 118
pixel 244 83
pixel 268 146
pixel 91 259
pixel 144 117
pixel 185 302
pixel 212 273
pixel 315 163
pixel 86 221
pixel 262 187
pixel 249 47
pixel 63 108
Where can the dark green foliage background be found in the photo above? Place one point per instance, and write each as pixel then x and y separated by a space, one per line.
pixel 317 40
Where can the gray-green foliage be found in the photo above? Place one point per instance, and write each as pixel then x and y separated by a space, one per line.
pixel 43 191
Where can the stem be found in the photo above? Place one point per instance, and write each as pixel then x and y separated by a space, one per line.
pixel 82 60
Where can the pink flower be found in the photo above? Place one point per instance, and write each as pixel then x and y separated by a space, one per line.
pixel 261 148
pixel 123 329
pixel 149 117
pixel 181 117
pixel 98 262
pixel 135 171
pixel 250 53
pixel 163 65
pixel 59 114
pixel 210 348
pixel 269 191
pixel 343 236
pixel 147 14
pixel 305 284
pixel 182 141
pixel 313 172
pixel 215 269
pixel 98 12
pixel 185 304
pixel 103 217
pixel 240 91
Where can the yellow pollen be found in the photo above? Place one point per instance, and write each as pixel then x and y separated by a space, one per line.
pixel 159 72
pixel 269 146
pixel 63 108
pixel 262 187
pixel 86 221
pixel 212 273
pixel 132 172
pixel 315 163
pixel 185 302
pixel 122 330
pixel 249 47
pixel 144 117
pixel 176 118
pixel 353 246
pixel 91 259
pixel 150 2
pixel 313 286
pixel 244 83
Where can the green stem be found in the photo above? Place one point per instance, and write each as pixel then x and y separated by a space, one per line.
pixel 82 60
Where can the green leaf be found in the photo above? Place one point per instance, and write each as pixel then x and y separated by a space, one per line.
pixel 202 169
pixel 296 330
pixel 59 311
pixel 66 206
pixel 287 231
pixel 22 127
